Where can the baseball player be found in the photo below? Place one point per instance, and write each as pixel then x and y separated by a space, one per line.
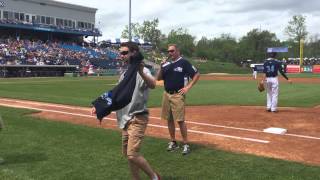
pixel 255 72
pixel 271 68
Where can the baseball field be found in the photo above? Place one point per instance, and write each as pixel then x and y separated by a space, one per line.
pixel 50 134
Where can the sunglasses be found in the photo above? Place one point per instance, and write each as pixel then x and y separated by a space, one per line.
pixel 171 51
pixel 124 52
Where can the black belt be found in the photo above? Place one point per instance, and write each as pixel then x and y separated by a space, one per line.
pixel 271 76
pixel 172 92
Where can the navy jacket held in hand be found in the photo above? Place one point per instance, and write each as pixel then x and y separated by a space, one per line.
pixel 120 95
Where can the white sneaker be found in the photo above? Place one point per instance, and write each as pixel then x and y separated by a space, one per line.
pixel 172 146
pixel 186 149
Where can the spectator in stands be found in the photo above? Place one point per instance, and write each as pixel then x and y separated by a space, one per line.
pixel 284 65
pixel 175 75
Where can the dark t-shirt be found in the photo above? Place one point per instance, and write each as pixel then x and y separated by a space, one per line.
pixel 174 74
pixel 271 68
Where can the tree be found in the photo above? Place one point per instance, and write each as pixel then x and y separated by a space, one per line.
pixel 148 31
pixel 296 28
pixel 312 48
pixel 223 48
pixel 134 30
pixel 183 39
pixel 202 48
pixel 254 44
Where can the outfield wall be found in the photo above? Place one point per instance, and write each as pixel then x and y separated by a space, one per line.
pixel 35 70
pixel 295 68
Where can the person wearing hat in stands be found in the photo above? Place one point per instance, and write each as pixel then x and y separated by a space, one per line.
pixel 271 67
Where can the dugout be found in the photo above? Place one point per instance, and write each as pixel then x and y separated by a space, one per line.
pixel 36 71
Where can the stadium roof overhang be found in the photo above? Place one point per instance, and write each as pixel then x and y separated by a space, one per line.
pixel 51 29
pixel 64 5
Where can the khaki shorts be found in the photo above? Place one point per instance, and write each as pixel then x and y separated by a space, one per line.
pixel 133 134
pixel 173 107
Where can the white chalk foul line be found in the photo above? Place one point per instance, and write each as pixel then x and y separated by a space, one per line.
pixel 246 129
pixel 215 134
pixel 302 136
pixel 42 104
pixel 153 117
pixel 214 125
pixel 153 125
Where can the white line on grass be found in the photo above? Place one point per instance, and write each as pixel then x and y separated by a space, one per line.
pixel 154 125
pixel 43 103
pixel 153 117
pixel 245 129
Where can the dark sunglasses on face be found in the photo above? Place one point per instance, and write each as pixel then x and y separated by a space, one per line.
pixel 124 52
pixel 170 51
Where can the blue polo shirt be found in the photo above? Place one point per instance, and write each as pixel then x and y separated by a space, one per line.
pixel 174 74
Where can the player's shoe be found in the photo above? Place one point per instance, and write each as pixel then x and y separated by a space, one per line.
pixel 173 145
pixel 157 177
pixel 186 149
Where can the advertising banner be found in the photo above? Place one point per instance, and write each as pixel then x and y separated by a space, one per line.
pixel 316 69
pixel 293 69
pixel 306 69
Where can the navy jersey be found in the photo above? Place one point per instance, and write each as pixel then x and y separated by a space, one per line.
pixel 271 68
pixel 174 74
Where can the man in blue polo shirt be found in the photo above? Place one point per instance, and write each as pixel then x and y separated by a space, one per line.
pixel 271 67
pixel 176 75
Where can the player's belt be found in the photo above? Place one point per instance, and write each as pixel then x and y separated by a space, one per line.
pixel 172 91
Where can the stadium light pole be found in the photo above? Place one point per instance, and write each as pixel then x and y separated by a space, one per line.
pixel 129 29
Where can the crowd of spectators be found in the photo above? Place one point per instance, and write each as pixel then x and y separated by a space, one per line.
pixel 36 52
pixel 306 61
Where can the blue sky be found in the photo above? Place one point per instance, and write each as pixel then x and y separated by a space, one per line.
pixel 208 18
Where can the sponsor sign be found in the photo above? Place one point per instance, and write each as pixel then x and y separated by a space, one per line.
pixel 307 69
pixel 316 69
pixel 293 69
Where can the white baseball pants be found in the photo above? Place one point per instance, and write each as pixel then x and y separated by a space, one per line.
pixel 272 88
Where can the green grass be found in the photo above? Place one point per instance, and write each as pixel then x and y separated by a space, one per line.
pixel 81 91
pixel 246 93
pixel 41 149
pixel 220 67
